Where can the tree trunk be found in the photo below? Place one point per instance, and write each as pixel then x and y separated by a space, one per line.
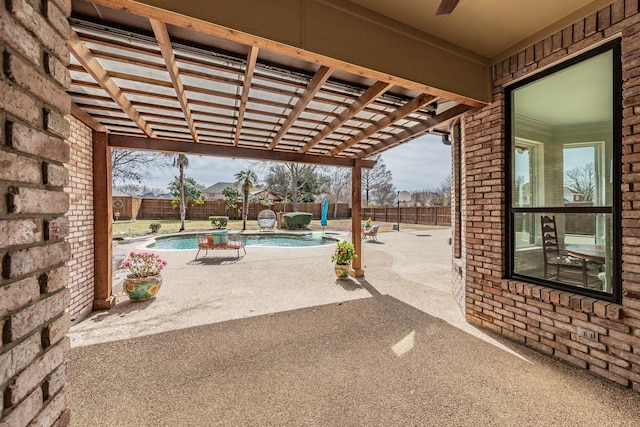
pixel 294 190
pixel 245 208
pixel 183 208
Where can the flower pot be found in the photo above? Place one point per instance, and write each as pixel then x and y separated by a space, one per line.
pixel 141 289
pixel 342 271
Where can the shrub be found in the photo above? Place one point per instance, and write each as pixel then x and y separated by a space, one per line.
pixel 219 221
pixel 155 227
pixel 295 220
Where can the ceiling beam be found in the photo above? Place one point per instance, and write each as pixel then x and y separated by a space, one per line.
pixel 416 130
pixel 86 118
pixel 408 108
pixel 319 78
pixel 400 50
pixel 354 108
pixel 164 42
pixel 100 75
pixel 218 150
pixel 252 58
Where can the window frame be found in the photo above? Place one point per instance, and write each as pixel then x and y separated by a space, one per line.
pixel 616 169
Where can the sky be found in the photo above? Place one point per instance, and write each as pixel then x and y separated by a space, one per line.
pixel 420 164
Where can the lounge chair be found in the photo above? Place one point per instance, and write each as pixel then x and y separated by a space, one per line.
pixel 266 219
pixel 371 233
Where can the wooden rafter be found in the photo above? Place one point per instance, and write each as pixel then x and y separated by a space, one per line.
pixel 411 106
pixel 86 118
pixel 227 150
pixel 164 42
pixel 358 105
pixel 100 75
pixel 420 129
pixel 252 58
pixel 314 86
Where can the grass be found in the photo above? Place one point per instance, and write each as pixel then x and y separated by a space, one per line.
pixel 134 228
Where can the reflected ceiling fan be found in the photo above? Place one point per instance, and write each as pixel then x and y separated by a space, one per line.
pixel 447 6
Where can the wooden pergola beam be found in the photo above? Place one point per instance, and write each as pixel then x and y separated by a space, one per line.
pixel 86 118
pixel 164 42
pixel 420 129
pixel 354 108
pixel 411 106
pixel 252 58
pixel 100 75
pixel 319 78
pixel 219 150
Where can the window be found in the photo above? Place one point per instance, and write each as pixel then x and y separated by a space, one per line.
pixel 564 133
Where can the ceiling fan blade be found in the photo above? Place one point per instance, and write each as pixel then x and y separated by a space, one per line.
pixel 447 6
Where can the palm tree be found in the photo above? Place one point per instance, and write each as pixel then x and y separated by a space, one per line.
pixel 248 179
pixel 182 161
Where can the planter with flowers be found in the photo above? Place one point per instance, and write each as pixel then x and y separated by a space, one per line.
pixel 343 256
pixel 144 280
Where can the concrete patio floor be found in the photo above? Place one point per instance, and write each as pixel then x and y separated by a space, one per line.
pixel 274 339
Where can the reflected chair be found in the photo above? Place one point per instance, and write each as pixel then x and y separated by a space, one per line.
pixel 558 261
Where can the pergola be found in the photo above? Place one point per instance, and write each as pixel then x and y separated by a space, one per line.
pixel 151 79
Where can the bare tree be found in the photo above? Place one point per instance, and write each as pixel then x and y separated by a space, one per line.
pixel 581 180
pixel 181 161
pixel 135 165
pixel 378 178
pixel 340 184
pixel 296 182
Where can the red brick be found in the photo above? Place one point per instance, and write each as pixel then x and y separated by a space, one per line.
pixel 36 372
pixel 37 314
pixel 19 168
pixel 57 70
pixel 25 411
pixel 609 375
pixel 28 200
pixel 57 123
pixel 57 330
pixel 19 232
pixel 55 279
pixel 54 410
pixel 38 143
pixel 58 19
pixel 18 294
pixel 19 357
pixel 32 81
pixel 57 228
pixel 15 36
pixel 54 175
pixel 18 103
pixel 26 261
pixel 39 26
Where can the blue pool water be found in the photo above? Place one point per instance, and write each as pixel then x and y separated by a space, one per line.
pixel 191 242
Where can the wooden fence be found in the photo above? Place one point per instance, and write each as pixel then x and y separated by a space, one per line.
pixel 430 215
pixel 135 208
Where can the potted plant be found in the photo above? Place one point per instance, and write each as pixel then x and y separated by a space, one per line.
pixel 343 256
pixel 144 280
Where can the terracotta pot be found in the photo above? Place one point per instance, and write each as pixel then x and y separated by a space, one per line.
pixel 141 289
pixel 342 271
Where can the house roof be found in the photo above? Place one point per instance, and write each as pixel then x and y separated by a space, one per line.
pixel 219 186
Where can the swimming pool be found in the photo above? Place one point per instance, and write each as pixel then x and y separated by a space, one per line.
pixel 191 242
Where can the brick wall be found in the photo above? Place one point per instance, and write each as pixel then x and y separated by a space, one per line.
pixel 80 219
pixel 541 317
pixel 33 293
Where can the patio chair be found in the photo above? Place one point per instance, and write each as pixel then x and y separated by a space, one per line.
pixel 371 233
pixel 266 219
pixel 558 260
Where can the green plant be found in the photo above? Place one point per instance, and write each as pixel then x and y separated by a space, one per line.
pixel 143 264
pixel 345 253
pixel 155 227
pixel 295 220
pixel 367 223
pixel 219 221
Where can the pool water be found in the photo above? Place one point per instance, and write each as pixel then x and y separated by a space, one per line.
pixel 191 242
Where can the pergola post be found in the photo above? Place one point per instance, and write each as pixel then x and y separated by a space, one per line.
pixel 102 298
pixel 356 217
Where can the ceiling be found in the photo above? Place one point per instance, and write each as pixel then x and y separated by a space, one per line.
pixel 155 79
pixel 486 27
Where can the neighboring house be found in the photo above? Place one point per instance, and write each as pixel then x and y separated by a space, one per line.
pixel 150 195
pixel 214 192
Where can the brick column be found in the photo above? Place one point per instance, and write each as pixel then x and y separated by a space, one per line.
pixel 33 249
